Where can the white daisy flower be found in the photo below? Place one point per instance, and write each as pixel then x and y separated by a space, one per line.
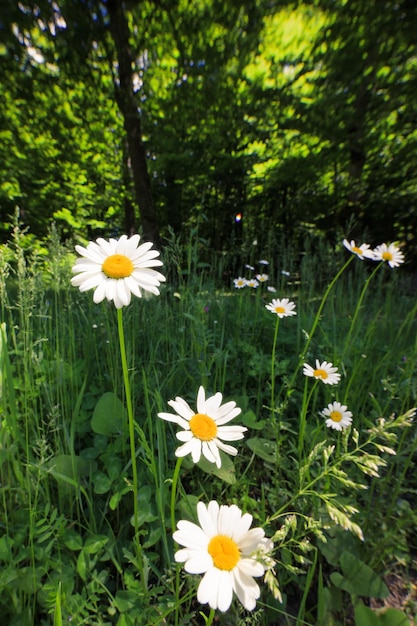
pixel 337 415
pixel 249 267
pixel 226 552
pixel 252 282
pixel 117 268
pixel 262 277
pixel 283 307
pixel 263 262
pixel 323 371
pixel 240 282
pixel 363 251
pixel 391 254
pixel 204 430
pixel 271 289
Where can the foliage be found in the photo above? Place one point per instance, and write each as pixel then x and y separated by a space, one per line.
pixel 297 116
pixel 68 550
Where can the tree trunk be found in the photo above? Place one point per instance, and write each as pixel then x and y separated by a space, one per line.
pixel 126 100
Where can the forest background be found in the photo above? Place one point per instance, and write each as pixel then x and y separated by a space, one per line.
pixel 240 118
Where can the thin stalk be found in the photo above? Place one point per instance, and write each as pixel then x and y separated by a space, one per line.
pixel 129 406
pixel 303 416
pixel 274 346
pixel 359 305
pixel 173 500
pixel 316 321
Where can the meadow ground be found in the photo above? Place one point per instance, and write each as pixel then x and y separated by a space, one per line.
pixel 316 364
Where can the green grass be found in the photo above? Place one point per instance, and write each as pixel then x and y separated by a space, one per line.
pixel 68 549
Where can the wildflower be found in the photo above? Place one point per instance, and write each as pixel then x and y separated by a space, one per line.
pixel 391 254
pixel 228 554
pixel 262 277
pixel 337 415
pixel 363 251
pixel 271 289
pixel 117 268
pixel 323 371
pixel 249 267
pixel 240 282
pixel 285 273
pixel 252 282
pixel 283 308
pixel 263 262
pixel 204 431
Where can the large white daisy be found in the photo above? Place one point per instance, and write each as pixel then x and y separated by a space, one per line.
pixel 337 416
pixel 323 371
pixel 362 251
pixel 226 552
pixel 204 430
pixel 390 254
pixel 281 307
pixel 117 268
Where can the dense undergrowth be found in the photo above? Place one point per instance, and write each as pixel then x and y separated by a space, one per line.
pixel 339 505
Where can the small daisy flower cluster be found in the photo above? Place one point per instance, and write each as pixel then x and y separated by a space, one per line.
pixel 254 281
pixel 336 414
pixel 390 253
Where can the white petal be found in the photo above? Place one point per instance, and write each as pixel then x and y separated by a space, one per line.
pixel 200 563
pixel 182 408
pixel 246 589
pixel 169 417
pixel 231 433
pixel 225 448
pixel 207 516
pixel 201 399
pixel 211 452
pixel 192 447
pixel 190 535
pixel 184 435
pixel 216 589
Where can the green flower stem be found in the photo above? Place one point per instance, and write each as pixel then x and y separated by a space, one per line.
pixel 358 306
pixel 174 491
pixel 131 420
pixel 316 321
pixel 210 618
pixel 303 416
pixel 274 345
pixel 175 479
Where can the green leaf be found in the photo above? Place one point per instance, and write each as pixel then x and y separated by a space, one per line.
pixel 95 543
pixel 226 472
pixel 358 579
pixel 250 420
pixel 69 468
pixel 73 540
pixel 101 482
pixel 110 416
pixel 264 448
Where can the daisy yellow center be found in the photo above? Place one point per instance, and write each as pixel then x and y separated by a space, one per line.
pixel 336 416
pixel 320 374
pixel 357 250
pixel 117 266
pixel 387 256
pixel 279 309
pixel 224 552
pixel 203 427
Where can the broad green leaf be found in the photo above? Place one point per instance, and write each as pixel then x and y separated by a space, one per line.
pixel 250 420
pixel 358 579
pixel 110 416
pixel 264 448
pixel 226 472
